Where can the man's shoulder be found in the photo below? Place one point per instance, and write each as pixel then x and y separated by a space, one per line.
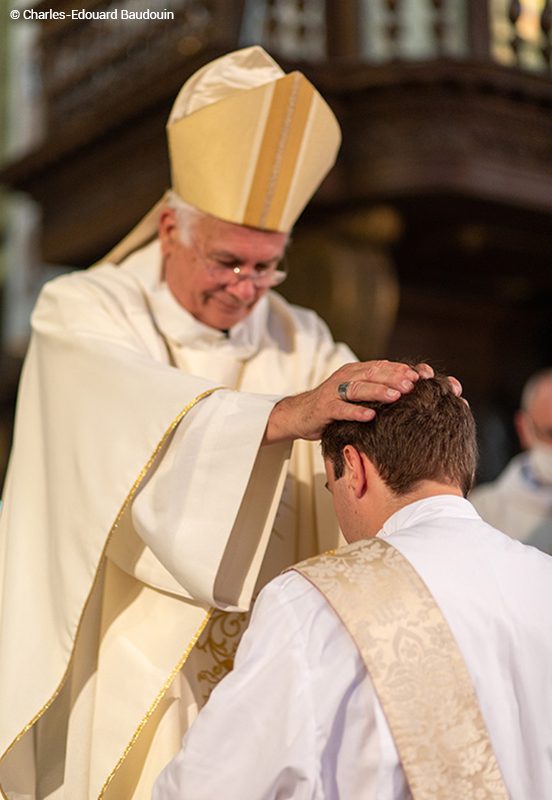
pixel 102 298
pixel 101 285
pixel 287 589
pixel 303 319
pixel 102 277
pixel 364 550
pixel 301 331
pixel 105 277
pixel 452 551
pixel 291 596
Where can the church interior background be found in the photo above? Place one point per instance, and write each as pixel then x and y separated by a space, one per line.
pixel 431 238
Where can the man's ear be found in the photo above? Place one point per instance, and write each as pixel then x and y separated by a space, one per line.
pixel 168 230
pixel 355 470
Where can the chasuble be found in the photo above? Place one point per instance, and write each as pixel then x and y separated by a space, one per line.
pixel 139 498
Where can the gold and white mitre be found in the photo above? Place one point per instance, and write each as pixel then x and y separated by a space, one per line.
pixel 247 144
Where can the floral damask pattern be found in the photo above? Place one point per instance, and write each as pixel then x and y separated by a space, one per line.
pixel 416 668
pixel 217 647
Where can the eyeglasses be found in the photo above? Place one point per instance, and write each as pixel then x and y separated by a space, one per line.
pixel 230 273
pixel 264 277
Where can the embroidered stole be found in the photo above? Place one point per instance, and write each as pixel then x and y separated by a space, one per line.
pixel 416 668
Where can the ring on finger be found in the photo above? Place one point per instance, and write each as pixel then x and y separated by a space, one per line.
pixel 342 391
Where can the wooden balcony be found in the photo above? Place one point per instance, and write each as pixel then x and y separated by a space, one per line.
pixel 454 121
pixel 107 91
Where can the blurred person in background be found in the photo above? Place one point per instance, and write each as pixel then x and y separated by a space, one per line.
pixel 519 501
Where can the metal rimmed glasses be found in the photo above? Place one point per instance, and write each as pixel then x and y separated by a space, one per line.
pixel 229 272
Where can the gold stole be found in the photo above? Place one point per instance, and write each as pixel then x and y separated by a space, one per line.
pixel 416 668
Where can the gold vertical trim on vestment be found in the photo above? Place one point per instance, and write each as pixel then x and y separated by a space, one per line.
pixel 416 667
pixel 118 518
pixel 160 695
pixel 279 151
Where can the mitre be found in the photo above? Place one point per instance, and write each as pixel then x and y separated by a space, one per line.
pixel 248 144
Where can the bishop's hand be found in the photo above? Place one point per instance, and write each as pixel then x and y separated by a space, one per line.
pixel 305 415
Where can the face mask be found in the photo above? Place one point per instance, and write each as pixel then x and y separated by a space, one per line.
pixel 540 458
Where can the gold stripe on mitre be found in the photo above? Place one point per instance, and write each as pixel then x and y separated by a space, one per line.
pixel 256 157
pixel 278 156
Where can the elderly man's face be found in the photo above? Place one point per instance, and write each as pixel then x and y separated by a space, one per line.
pixel 216 246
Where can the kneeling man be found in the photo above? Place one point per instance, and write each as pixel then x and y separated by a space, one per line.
pixel 414 662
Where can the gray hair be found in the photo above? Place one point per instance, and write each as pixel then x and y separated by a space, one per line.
pixel 187 216
pixel 532 385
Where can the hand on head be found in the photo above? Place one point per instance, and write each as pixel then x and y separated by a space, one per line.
pixel 421 446
pixel 305 415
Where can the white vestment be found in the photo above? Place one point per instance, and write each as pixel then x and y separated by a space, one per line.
pixel 518 504
pixel 130 508
pixel 298 717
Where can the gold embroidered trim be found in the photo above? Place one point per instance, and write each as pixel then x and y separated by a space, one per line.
pixel 218 647
pixel 416 668
pixel 122 510
pixel 156 702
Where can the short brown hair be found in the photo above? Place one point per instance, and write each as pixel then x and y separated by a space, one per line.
pixel 428 434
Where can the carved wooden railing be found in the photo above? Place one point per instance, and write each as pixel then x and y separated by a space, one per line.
pixel 108 86
pixel 512 32
pixel 96 64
